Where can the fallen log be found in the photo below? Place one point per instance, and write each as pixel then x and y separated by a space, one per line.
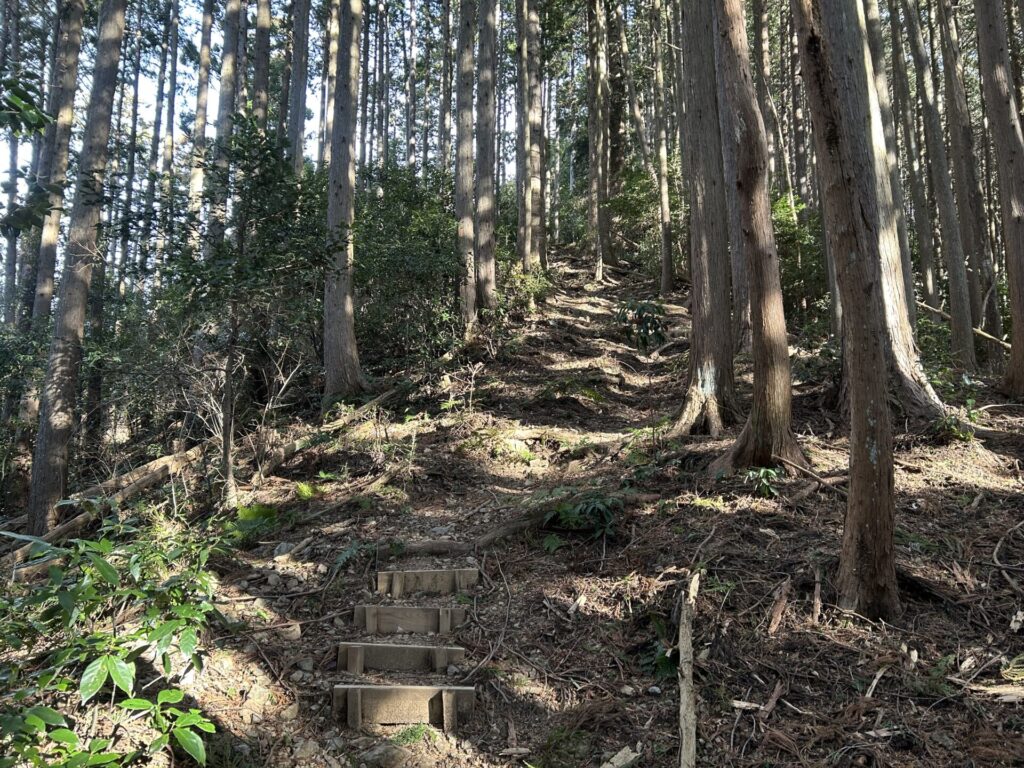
pixel 977 331
pixel 165 468
pixel 285 452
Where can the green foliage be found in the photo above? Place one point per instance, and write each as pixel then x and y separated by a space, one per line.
pixel 70 629
pixel 250 522
pixel 594 514
pixel 407 272
pixel 802 265
pixel 643 323
pixel 763 480
pixel 20 112
pixel 414 734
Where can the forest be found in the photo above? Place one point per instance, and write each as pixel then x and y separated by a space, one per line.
pixel 547 383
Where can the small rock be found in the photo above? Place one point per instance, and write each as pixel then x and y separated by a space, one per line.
pixel 453 670
pixel 290 712
pixel 321 568
pixel 627 690
pixel 623 759
pixel 289 632
pixel 442 530
pixel 306 749
pixel 386 756
pixel 306 665
pixel 654 690
pixel 293 584
pixel 243 585
pixel 297 676
pixel 339 622
pixel 273 580
pixel 283 548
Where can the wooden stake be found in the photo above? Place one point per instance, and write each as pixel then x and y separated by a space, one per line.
pixel 687 697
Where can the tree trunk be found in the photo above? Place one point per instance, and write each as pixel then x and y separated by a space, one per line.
pixel 167 160
pixel 341 355
pixel 768 434
pixel 661 141
pixel 445 142
pixel 13 27
pixel 536 155
pixel 709 400
pixel 942 184
pixel 152 165
pixel 57 415
pixel 597 129
pixel 639 126
pixel 261 63
pixel 918 191
pixel 486 272
pixel 524 230
pixel 464 161
pixel 297 88
pixel 969 195
pixel 895 212
pixel 126 224
pixel 218 192
pixel 197 176
pixel 364 91
pixel 762 77
pixel 332 79
pixel 55 162
pixel 838 79
pixel 1005 122
pixel 741 328
pixel 284 98
pixel 411 59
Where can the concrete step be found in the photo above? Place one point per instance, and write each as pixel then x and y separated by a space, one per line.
pixel 357 657
pixel 442 582
pixel 440 706
pixel 391 619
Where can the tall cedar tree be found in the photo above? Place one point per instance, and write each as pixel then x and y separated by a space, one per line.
pixel 848 135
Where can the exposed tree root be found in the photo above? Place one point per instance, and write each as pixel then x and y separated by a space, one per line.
pixel 702 413
pixel 752 450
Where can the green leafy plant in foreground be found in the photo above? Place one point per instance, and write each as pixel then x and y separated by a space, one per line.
pixel 764 480
pixel 138 591
pixel 643 322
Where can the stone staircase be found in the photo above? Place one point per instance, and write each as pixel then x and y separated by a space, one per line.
pixel 442 706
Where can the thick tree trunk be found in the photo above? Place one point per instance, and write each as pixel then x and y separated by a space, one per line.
pixel 167 160
pixel 709 401
pixel 524 229
pixel 57 415
pixel 597 130
pixel 332 79
pixel 341 355
pixel 411 59
pixel 464 161
pixel 126 224
pixel 1005 122
pixel 197 176
pixel 838 77
pixel 486 272
pixel 146 245
pixel 297 88
pixel 942 185
pixel 261 62
pixel 768 434
pixel 762 76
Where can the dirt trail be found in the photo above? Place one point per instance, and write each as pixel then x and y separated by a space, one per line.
pixel 568 633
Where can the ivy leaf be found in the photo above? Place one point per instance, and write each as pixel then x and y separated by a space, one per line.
pixel 191 743
pixel 122 674
pixel 93 678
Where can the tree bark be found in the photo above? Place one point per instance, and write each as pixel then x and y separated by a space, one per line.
pixel 218 192
pixel 597 130
pixel 261 63
pixel 57 415
pixel 464 162
pixel 768 436
pixel 762 76
pixel 838 77
pixel 486 272
pixel 197 175
pixel 297 88
pixel 942 185
pixel 709 401
pixel 524 230
pixel 341 355
pixel 1005 122
pixel 661 141
pixel 167 160
pixel 918 191
pixel 536 155
pixel 445 142
pixel 969 195
pixel 411 60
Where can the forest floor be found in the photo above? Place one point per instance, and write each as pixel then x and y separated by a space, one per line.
pixel 568 634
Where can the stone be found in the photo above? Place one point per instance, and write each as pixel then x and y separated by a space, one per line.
pixel 654 690
pixel 386 756
pixel 290 712
pixel 289 632
pixel 624 758
pixel 627 690
pixel 243 584
pixel 283 548
pixel 321 568
pixel 453 670
pixel 297 676
pixel 306 749
pixel 273 580
pixel 306 665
